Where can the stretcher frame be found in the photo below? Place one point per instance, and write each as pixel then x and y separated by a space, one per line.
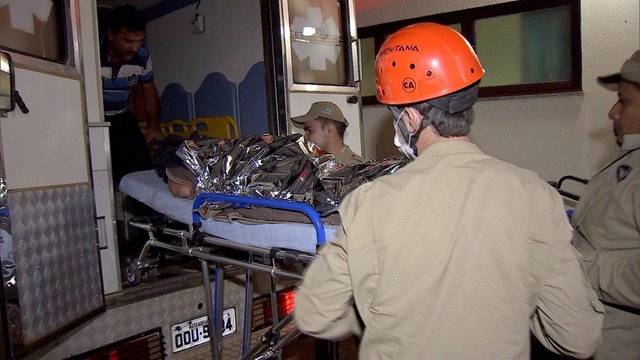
pixel 195 243
pixel 569 178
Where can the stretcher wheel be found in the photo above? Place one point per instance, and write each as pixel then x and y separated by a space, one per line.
pixel 133 274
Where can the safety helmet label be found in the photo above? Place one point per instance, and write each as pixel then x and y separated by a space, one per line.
pixel 408 85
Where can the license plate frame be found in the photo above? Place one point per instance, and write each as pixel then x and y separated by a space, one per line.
pixel 194 332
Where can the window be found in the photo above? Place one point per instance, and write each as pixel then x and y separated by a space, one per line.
pixel 34 28
pixel 526 47
pixel 318 43
pixel 368 47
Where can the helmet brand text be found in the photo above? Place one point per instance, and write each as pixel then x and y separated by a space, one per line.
pixel 400 48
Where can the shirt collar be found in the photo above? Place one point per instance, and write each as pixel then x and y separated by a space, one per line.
pixel 631 142
pixel 450 147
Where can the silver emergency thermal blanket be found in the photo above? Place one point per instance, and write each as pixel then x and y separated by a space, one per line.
pixel 277 167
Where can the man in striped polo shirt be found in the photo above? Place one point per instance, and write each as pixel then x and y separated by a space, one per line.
pixel 124 63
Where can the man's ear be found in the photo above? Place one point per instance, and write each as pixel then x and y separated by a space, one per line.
pixel 413 120
pixel 330 128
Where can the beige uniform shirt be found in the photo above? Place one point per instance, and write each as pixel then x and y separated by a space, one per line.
pixel 607 233
pixel 456 256
pixel 348 157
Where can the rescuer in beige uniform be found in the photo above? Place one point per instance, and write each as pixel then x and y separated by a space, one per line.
pixel 325 125
pixel 457 255
pixel 607 222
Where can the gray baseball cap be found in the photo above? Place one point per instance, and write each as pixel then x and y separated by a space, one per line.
pixel 630 72
pixel 323 109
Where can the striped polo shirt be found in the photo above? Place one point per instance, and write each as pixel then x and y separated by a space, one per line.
pixel 117 80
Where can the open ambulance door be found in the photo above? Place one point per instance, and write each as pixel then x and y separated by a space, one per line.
pixel 312 51
pixel 49 245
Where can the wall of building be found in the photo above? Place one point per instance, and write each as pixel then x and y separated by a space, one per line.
pixel 551 135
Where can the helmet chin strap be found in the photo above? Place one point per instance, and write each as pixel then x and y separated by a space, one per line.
pixel 409 138
pixel 401 126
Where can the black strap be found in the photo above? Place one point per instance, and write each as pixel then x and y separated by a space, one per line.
pixel 458 101
pixel 624 308
pixel 616 160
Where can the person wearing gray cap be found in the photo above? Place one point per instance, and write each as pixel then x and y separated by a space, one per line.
pixel 324 125
pixel 607 222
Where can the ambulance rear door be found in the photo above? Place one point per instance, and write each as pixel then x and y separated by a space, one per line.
pixel 313 52
pixel 51 271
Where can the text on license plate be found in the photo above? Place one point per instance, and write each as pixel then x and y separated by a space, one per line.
pixel 196 331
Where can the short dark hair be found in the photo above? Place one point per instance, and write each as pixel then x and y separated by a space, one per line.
pixel 448 124
pixel 125 16
pixel 340 126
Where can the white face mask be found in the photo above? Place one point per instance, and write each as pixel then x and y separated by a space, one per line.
pixel 398 141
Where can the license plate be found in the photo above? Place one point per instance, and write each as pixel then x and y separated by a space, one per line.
pixel 196 331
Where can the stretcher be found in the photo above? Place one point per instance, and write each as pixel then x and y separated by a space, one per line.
pixel 269 248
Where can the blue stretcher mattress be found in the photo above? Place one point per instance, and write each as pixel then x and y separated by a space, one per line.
pixel 148 188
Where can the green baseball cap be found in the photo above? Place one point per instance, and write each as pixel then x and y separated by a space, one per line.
pixel 320 109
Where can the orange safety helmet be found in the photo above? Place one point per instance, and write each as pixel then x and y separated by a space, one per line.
pixel 424 61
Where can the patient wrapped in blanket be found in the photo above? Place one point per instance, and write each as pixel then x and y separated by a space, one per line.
pixel 274 167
